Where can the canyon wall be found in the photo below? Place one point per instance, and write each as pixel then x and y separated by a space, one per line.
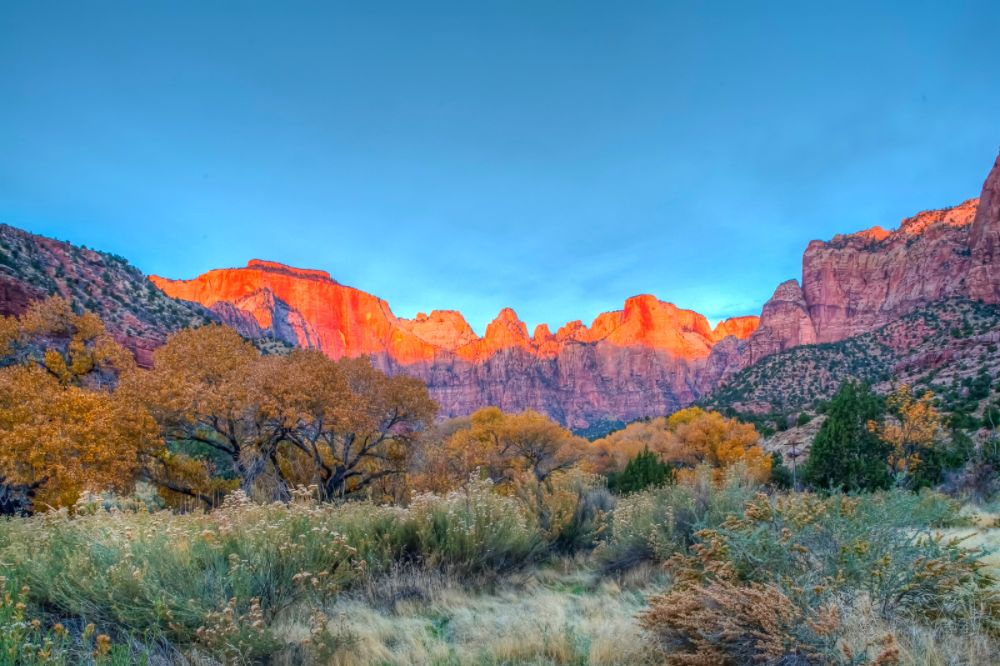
pixel 643 359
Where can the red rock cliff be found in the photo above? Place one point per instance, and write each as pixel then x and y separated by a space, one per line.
pixel 632 362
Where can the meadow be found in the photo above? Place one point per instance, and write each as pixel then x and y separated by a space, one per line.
pixel 706 570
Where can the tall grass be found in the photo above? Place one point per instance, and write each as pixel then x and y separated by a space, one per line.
pixel 713 569
pixel 225 578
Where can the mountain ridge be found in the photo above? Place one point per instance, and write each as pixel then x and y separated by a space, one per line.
pixel 649 357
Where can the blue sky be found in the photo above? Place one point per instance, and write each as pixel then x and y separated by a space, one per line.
pixel 556 157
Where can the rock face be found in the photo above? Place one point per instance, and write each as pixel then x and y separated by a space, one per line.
pixel 858 282
pixel 984 272
pixel 740 327
pixel 640 360
pixel 784 323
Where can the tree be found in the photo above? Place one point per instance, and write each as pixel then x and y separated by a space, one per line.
pixel 357 426
pixel 206 388
pixel 506 447
pixel 73 348
pixel 63 427
pixel 846 453
pixel 710 437
pixel 914 435
pixel 614 452
pixel 272 421
pixel 687 438
pixel 643 471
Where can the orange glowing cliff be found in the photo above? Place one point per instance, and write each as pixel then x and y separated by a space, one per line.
pixel 342 321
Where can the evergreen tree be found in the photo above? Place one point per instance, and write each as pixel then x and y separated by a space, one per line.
pixel 643 471
pixel 846 453
pixel 781 475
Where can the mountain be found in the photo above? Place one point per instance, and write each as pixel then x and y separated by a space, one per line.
pixel 940 346
pixel 643 359
pixel 856 283
pixel 876 304
pixel 136 312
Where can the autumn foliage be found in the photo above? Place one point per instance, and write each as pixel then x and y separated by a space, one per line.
pixel 685 439
pixel 270 423
pixel 63 429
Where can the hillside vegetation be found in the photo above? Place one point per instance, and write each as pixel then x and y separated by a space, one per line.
pixel 129 304
pixel 943 346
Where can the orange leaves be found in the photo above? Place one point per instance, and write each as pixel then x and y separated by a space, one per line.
pixel 285 419
pixel 75 348
pixel 917 427
pixel 688 437
pixel 67 439
pixel 60 431
pixel 504 447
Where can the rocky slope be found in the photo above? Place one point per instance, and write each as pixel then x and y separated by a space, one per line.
pixel 942 343
pixel 135 311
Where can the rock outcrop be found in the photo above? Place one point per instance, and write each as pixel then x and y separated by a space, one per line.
pixel 784 323
pixel 858 282
pixel 739 327
pixel 984 241
pixel 640 360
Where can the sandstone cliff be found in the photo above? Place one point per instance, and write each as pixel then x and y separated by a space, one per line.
pixel 643 359
pixel 856 283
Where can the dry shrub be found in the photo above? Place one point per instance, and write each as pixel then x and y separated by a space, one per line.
pixel 724 622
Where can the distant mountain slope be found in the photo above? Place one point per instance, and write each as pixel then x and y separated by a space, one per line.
pixel 138 313
pixel 938 346
pixel 857 282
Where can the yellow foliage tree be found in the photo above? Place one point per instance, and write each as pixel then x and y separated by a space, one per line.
pixel 275 421
pixel 352 427
pixel 916 428
pixel 505 447
pixel 73 348
pixel 686 438
pixel 63 428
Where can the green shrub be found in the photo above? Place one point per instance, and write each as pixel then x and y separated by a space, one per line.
pixel 643 471
pixel 816 548
pixel 654 524
pixel 222 579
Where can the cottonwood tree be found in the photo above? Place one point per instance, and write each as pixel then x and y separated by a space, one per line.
pixel 208 388
pixel 353 427
pixel 710 437
pixel 278 420
pixel 687 438
pixel 75 348
pixel 63 428
pixel 506 446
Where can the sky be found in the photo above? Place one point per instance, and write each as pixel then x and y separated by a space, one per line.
pixel 555 157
